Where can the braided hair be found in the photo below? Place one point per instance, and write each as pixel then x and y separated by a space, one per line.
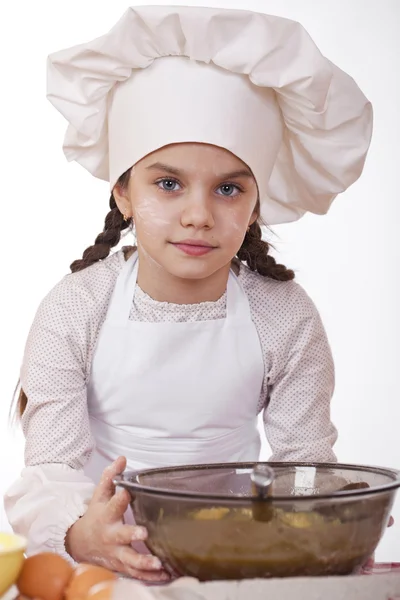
pixel 114 225
pixel 255 253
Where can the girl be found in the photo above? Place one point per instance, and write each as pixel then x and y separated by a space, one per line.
pixel 204 121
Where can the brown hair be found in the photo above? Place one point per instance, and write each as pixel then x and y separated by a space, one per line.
pixel 22 401
pixel 114 225
pixel 254 252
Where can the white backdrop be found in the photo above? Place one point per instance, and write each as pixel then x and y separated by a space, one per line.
pixel 347 261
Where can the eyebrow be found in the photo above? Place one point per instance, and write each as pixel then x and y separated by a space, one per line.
pixel 158 166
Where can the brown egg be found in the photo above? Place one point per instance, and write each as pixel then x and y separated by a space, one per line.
pixel 101 591
pixel 84 578
pixel 44 576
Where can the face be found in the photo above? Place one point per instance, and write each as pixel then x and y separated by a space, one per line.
pixel 191 205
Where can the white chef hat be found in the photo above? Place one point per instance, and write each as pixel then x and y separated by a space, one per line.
pixel 251 83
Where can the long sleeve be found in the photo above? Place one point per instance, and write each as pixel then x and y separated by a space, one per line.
pixel 43 504
pixel 53 492
pixel 297 415
pixel 54 376
pixel 299 370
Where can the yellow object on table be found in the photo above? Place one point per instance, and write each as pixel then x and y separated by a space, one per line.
pixel 12 548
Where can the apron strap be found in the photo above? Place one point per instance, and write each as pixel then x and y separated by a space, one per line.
pixel 237 304
pixel 122 296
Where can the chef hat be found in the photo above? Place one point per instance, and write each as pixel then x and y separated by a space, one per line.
pixel 251 83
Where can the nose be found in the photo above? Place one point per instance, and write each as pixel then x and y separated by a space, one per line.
pixel 197 210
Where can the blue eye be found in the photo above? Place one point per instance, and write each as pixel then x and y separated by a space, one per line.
pixel 227 189
pixel 167 184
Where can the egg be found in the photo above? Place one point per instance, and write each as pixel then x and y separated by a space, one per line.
pixel 101 591
pixel 44 576
pixel 84 578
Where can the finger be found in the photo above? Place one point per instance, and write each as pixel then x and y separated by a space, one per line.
pixel 158 577
pixel 391 522
pixel 106 489
pixel 124 535
pixel 117 506
pixel 140 562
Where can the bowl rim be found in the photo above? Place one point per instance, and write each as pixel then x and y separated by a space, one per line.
pixel 20 545
pixel 129 481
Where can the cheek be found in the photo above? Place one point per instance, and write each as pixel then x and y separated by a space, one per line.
pixel 234 222
pixel 151 216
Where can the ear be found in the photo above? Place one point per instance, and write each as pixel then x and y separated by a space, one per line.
pixel 253 218
pixel 121 197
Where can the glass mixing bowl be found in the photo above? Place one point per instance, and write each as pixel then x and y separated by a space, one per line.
pixel 218 522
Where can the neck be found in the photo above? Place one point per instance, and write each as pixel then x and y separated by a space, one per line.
pixel 162 286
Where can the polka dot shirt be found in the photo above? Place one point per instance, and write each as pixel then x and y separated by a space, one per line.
pixel 298 377
pixel 53 490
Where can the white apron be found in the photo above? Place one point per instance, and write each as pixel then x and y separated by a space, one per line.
pixel 165 394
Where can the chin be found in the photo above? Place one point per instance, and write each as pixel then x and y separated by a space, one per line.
pixel 188 272
pixel 191 269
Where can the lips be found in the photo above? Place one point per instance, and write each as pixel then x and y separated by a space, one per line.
pixel 194 247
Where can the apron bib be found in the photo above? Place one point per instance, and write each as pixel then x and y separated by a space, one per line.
pixel 165 394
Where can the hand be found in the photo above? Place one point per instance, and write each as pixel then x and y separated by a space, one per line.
pixel 100 536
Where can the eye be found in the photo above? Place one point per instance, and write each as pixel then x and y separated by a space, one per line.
pixel 168 185
pixel 230 190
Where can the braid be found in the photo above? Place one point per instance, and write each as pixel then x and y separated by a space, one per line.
pixel 254 252
pixel 113 226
